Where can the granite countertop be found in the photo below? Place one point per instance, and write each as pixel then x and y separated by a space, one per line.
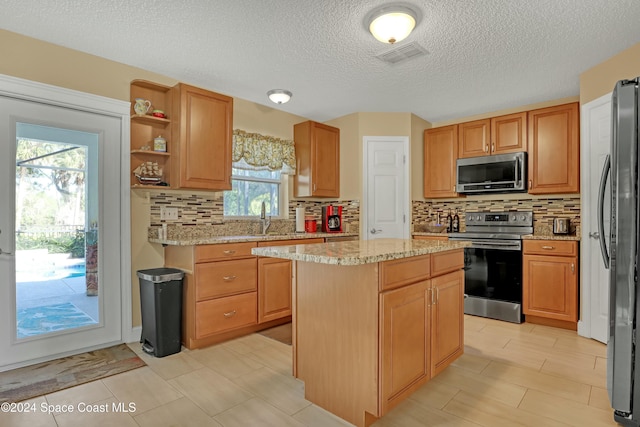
pixel 358 252
pixel 551 236
pixel 215 240
pixel 538 234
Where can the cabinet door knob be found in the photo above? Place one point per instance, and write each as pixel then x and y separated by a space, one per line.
pixel 432 301
pixel 530 184
pixel 493 146
pixel 229 252
pixel 229 314
pixel 573 268
pixel 228 278
pixel 548 247
pixel 486 148
pixel 437 295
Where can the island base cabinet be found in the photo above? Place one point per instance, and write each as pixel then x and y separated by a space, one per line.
pixel 360 347
pixel 404 341
pixel 447 325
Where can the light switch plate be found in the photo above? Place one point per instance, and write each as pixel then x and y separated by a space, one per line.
pixel 168 213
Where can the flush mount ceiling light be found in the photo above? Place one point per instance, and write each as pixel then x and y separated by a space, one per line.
pixel 392 23
pixel 279 96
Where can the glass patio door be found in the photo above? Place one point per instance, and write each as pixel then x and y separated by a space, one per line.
pixel 59 231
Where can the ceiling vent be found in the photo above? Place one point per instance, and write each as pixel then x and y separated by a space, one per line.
pixel 402 53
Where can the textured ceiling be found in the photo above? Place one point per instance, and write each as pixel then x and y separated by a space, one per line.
pixel 483 55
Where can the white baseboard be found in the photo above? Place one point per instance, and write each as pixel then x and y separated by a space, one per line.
pixel 134 335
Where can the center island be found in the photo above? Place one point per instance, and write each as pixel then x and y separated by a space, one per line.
pixel 373 320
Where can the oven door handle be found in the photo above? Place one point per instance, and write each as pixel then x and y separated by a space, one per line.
pixel 504 246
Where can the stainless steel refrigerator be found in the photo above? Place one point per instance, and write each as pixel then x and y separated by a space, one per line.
pixel 621 258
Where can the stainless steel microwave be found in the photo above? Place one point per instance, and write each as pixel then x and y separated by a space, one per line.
pixel 501 173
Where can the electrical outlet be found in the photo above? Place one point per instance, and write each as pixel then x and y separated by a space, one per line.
pixel 168 213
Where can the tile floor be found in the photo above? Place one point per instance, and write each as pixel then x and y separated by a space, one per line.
pixel 509 375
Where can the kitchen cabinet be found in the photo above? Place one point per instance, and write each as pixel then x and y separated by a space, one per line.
pixel 202 139
pixel 274 283
pixel 406 324
pixel 389 313
pixel 229 292
pixel 497 135
pixel 440 155
pixel 554 151
pixel 318 160
pixel 146 127
pixel 550 282
pixel 447 314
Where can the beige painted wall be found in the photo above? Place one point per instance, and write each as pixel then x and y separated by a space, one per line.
pixel 44 62
pixel 600 80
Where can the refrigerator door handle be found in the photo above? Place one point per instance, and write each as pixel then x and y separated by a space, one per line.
pixel 603 183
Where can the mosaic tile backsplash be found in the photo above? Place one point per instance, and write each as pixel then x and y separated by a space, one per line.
pixel 196 210
pixel 544 210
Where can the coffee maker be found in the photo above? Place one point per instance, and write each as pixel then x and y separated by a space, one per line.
pixel 332 219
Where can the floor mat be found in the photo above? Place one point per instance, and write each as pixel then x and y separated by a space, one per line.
pixel 51 318
pixel 48 377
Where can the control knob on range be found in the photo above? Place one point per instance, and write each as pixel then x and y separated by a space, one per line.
pixel 513 217
pixel 522 217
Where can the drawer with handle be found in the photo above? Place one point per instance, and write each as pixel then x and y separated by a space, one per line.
pixel 222 251
pixel 223 278
pixel 550 247
pixel 223 314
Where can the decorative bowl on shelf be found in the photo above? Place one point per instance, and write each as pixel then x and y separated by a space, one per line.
pixel 434 228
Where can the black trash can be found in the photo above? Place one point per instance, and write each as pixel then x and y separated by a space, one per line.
pixel 161 305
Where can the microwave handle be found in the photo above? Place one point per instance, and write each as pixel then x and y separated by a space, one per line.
pixel 519 170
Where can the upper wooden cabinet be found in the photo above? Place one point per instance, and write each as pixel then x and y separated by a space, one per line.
pixel 203 138
pixel 554 150
pixel 318 160
pixel 497 135
pixel 440 155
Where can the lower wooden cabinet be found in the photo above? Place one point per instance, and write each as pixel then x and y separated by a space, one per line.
pixel 222 314
pixel 404 339
pixel 550 282
pixel 228 292
pixel 274 282
pixel 447 314
pixel 421 331
pixel 274 289
pixel 392 314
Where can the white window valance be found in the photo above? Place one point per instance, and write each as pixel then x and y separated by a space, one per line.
pixel 260 152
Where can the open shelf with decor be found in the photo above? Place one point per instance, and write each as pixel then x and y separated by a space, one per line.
pixel 150 168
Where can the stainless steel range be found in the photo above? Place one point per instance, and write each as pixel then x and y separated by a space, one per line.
pixel 493 263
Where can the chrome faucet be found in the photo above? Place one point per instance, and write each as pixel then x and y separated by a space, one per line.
pixel 263 219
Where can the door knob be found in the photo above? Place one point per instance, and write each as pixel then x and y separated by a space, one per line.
pixel 5 253
pixel 374 231
pixel 594 235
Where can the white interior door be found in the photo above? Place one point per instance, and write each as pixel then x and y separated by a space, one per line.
pixel 596 144
pixel 67 129
pixel 386 187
